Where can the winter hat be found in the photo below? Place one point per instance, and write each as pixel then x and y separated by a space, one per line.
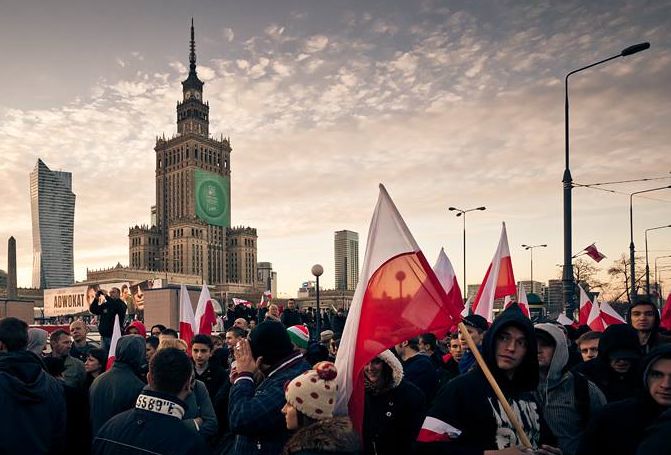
pixel 326 335
pixel 476 321
pixel 313 393
pixel 299 335
pixel 270 340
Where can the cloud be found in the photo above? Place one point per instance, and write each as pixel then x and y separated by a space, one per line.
pixel 316 43
pixel 228 34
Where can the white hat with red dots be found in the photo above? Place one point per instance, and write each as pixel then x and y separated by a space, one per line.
pixel 313 393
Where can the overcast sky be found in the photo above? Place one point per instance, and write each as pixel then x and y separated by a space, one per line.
pixel 455 103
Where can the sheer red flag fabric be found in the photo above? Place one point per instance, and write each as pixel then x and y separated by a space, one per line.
pixel 398 297
pixel 609 316
pixel 595 254
pixel 205 315
pixel 445 274
pixel 585 307
pixel 499 280
pixel 594 320
pixel 187 322
pixel 116 335
pixel 666 314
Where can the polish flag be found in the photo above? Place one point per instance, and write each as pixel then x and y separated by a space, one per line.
pixel 523 301
pixel 499 280
pixel 435 430
pixel 205 316
pixel 564 320
pixel 594 320
pixel 187 323
pixel 467 307
pixel 446 276
pixel 585 307
pixel 245 303
pixel 665 323
pixel 398 297
pixel 116 334
pixel 609 316
pixel 595 254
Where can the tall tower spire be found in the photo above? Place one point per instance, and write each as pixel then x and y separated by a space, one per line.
pixel 192 54
pixel 192 113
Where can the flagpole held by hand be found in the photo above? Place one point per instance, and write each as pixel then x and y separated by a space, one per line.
pixel 497 390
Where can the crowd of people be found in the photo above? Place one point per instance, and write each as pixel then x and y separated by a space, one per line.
pixel 268 385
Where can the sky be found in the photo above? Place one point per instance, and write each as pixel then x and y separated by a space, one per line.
pixel 447 103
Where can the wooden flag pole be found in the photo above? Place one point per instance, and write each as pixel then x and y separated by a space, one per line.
pixel 497 390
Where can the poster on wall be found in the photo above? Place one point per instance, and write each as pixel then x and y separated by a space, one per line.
pixel 213 198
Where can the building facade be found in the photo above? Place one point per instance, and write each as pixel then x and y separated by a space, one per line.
pixel 52 205
pixel 267 277
pixel 346 255
pixel 242 255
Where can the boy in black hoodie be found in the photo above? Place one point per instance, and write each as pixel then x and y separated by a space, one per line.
pixel 467 418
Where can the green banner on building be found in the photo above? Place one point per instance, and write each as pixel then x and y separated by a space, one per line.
pixel 213 198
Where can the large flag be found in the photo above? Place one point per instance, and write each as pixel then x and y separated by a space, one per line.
pixel 243 302
pixel 523 301
pixel 398 297
pixel 666 314
pixel 116 335
pixel 187 322
pixel 205 316
pixel 595 254
pixel 446 276
pixel 499 280
pixel 609 316
pixel 594 320
pixel 585 307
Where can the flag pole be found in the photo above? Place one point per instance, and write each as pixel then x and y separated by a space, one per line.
pixel 497 390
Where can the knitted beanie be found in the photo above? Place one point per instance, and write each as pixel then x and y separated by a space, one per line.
pixel 314 392
pixel 299 335
pixel 270 341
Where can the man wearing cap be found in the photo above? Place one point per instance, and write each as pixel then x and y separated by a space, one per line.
pixel 255 412
pixel 476 326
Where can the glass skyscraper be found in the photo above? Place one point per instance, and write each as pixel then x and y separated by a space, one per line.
pixel 346 249
pixel 52 204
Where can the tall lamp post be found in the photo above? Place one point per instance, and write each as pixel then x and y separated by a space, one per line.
pixel 647 264
pixel 632 265
pixel 530 248
pixel 317 271
pixel 567 181
pixel 463 213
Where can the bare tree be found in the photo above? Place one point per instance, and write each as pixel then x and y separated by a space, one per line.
pixel 620 277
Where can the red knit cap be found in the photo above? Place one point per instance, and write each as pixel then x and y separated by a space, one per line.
pixel 314 392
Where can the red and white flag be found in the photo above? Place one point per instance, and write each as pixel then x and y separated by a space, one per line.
pixel 585 307
pixel 594 320
pixel 665 322
pixel 446 276
pixel 609 316
pixel 435 430
pixel 499 280
pixel 187 322
pixel 245 303
pixel 116 335
pixel 523 301
pixel 595 254
pixel 564 320
pixel 205 316
pixel 398 297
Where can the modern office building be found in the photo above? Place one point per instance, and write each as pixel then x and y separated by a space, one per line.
pixel 346 252
pixel 554 297
pixel 52 205
pixel 536 287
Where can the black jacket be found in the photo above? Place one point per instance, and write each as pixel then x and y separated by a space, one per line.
pixel 420 370
pixel 213 377
pixel 32 406
pixel 657 440
pixel 107 312
pixel 469 407
pixel 290 317
pixel 655 338
pixel 141 431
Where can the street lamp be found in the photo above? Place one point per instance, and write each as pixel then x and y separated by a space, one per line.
pixel 461 212
pixel 317 271
pixel 567 182
pixel 631 239
pixel 530 248
pixel 647 264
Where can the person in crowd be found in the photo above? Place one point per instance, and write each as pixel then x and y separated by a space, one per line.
pixel 476 326
pixel 299 336
pixel 242 323
pixel 467 416
pixel 291 316
pixel 32 403
pixel 393 407
pixel 326 336
pixel 273 313
pixel 644 317
pixel 428 344
pixel 252 324
pixel 233 335
pixel 116 390
pixel 136 328
pixel 74 374
pixel 310 400
pixel 80 346
pixel 107 308
pixel 567 398
pixel 656 440
pixel 169 333
pixel 338 323
pixel 452 358
pixel 96 362
pixel 151 345
pixel 217 342
pixel 157 330
pixel 417 368
pixel 614 368
pixel 255 412
pixel 588 345
pixel 211 374
pixel 333 349
pixel 154 424
pixel 621 426
pixel 37 340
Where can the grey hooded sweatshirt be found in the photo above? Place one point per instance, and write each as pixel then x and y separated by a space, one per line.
pixel 556 393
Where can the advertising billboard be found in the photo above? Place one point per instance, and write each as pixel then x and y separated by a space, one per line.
pixel 213 198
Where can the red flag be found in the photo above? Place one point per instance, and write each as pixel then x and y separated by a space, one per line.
pixel 666 314
pixel 594 320
pixel 592 252
pixel 398 297
pixel 205 315
pixel 522 301
pixel 609 316
pixel 116 335
pixel 446 276
pixel 499 280
pixel 187 322
pixel 585 307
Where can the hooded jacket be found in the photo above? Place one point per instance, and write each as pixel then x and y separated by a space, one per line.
pixel 615 386
pixel 139 326
pixel 334 436
pixel 620 427
pixel 32 406
pixel 657 440
pixel 469 408
pixel 392 417
pixel 556 393
pixel 116 390
pixel 655 338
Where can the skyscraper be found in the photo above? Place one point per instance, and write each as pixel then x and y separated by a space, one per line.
pixel 346 251
pixel 52 205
